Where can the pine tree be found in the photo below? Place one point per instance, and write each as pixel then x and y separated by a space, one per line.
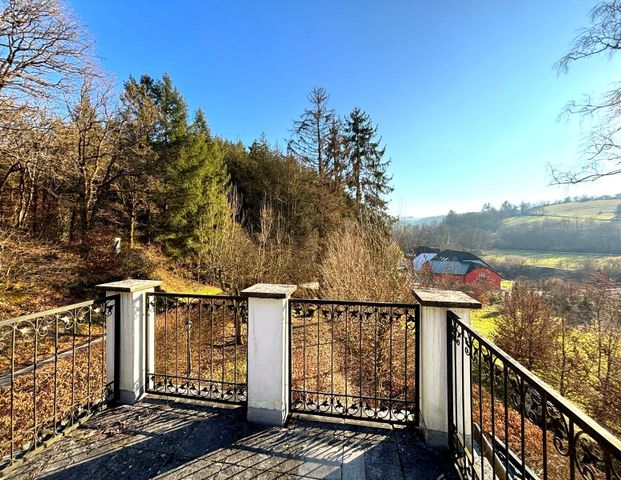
pixel 368 180
pixel 194 177
pixel 311 132
pixel 337 153
pixel 213 209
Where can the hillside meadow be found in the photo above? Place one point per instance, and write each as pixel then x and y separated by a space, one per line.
pixel 559 260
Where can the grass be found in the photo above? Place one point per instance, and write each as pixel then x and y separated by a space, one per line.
pixel 484 321
pixel 560 260
pixel 594 209
pixel 582 212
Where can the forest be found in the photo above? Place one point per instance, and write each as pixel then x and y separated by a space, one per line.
pixel 83 161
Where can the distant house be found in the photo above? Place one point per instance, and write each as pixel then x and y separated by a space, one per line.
pixel 457 266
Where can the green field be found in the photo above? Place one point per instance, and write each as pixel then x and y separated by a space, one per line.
pixel 598 210
pixel 560 260
pixel 595 209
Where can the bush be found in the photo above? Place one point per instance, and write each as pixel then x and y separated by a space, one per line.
pixel 359 265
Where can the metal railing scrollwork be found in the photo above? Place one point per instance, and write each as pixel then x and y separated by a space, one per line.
pixel 52 373
pixel 506 423
pixel 200 346
pixel 354 359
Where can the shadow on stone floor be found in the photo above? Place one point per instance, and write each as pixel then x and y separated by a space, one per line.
pixel 176 439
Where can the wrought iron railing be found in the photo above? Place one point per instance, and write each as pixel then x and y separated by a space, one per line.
pixel 506 423
pixel 200 346
pixel 354 359
pixel 52 373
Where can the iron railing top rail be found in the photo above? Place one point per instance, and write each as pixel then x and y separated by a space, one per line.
pixel 56 311
pixel 362 303
pixel 196 295
pixel 565 406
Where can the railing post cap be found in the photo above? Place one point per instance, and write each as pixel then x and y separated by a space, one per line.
pixel 431 297
pixel 269 290
pixel 130 285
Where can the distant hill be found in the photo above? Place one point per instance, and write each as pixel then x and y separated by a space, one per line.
pixel 585 225
pixel 594 209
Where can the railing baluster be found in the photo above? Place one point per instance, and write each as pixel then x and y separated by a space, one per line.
pixel 332 320
pixel 375 354
pixel 318 373
pixel 360 319
pixel 522 425
pixel 544 432
pixel 165 344
pixel 188 347
pixel 12 411
pixel 73 338
pixel 506 411
pixel 493 414
pixel 223 379
pixel 176 345
pixel 88 360
pixel 55 406
pixel 34 383
pixel 482 431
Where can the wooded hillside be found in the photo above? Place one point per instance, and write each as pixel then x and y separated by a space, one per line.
pixel 81 163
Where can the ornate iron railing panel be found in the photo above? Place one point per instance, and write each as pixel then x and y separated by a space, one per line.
pixel 354 359
pixel 52 373
pixel 200 346
pixel 506 423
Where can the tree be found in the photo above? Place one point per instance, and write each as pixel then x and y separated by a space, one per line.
pixel 197 186
pixel 213 208
pixel 311 132
pixel 41 48
pixel 91 149
pixel 368 179
pixel 337 153
pixel 603 147
pixel 136 188
pixel 603 366
pixel 527 329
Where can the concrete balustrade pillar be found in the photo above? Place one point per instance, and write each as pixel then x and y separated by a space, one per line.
pixel 433 371
pixel 133 342
pixel 268 353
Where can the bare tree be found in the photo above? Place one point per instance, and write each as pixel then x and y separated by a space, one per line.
pixel 92 150
pixel 603 145
pixel 527 329
pixel 42 47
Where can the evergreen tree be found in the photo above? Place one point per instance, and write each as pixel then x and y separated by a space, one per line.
pixel 368 179
pixel 213 208
pixel 337 153
pixel 311 132
pixel 194 177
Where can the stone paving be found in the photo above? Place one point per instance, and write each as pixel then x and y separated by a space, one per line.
pixel 169 439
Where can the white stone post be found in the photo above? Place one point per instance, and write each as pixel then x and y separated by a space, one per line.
pixel 134 345
pixel 433 371
pixel 268 353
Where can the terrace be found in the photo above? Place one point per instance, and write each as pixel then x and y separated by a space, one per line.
pixel 144 384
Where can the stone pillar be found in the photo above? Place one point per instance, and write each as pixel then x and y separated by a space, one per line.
pixel 268 352
pixel 433 371
pixel 133 343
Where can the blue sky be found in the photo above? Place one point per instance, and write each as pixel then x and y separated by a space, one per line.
pixel 463 91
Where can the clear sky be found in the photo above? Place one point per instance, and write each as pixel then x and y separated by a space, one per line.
pixel 463 90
